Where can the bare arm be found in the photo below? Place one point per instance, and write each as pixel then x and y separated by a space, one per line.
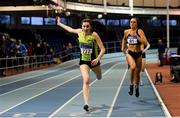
pixel 67 28
pixel 142 37
pixel 100 45
pixel 147 47
pixel 143 40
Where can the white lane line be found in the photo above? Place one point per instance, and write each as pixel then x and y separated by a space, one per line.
pixel 116 95
pixel 64 64
pixel 36 75
pixel 35 83
pixel 166 112
pixel 43 81
pixel 41 92
pixel 60 108
pixel 26 78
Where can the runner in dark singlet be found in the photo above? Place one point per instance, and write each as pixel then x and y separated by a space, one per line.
pixel 134 37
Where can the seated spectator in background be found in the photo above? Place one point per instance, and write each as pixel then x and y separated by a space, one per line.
pixel 176 74
pixel 175 70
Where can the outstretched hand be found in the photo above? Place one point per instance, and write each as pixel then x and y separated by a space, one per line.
pixel 58 19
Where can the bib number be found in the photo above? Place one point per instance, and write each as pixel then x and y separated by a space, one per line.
pixel 132 41
pixel 86 51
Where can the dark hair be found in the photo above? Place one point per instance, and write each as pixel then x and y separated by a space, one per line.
pixel 138 22
pixel 87 20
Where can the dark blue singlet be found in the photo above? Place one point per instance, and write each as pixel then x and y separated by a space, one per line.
pixel 132 40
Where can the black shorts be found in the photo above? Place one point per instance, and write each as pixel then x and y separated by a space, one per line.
pixel 135 55
pixel 88 63
pixel 144 55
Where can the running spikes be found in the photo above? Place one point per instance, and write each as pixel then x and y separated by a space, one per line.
pixel 86 108
pixel 131 89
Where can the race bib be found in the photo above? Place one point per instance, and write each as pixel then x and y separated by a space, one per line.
pixel 132 40
pixel 86 49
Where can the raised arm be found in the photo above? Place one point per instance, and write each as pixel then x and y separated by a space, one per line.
pixel 67 28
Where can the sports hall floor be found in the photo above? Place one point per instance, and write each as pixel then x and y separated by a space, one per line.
pixel 56 92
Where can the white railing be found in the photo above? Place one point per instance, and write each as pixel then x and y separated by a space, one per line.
pixel 23 64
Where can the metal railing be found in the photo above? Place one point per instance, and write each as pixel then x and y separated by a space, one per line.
pixel 13 65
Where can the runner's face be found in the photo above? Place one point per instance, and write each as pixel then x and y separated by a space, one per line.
pixel 86 27
pixel 133 23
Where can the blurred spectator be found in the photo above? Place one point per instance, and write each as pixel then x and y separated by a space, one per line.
pixel 175 68
pixel 161 51
pixel 69 50
pixel 39 52
pixel 12 52
pixel 2 54
pixel 30 54
pixel 44 53
pixel 64 54
pixel 49 54
pixel 21 52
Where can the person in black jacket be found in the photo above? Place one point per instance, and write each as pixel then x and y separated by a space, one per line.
pixel 161 51
pixel 132 40
pixel 2 55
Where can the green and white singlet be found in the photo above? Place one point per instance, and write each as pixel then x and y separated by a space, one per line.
pixel 88 47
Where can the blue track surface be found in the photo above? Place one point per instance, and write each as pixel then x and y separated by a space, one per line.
pixel 56 92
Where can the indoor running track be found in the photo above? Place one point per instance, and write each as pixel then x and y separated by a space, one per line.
pixel 56 92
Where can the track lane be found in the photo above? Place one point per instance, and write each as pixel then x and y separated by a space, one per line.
pixel 34 91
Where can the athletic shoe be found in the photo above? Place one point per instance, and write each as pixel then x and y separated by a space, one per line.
pixel 131 89
pixel 137 92
pixel 86 108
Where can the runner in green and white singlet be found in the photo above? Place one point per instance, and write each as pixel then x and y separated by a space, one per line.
pixel 89 43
